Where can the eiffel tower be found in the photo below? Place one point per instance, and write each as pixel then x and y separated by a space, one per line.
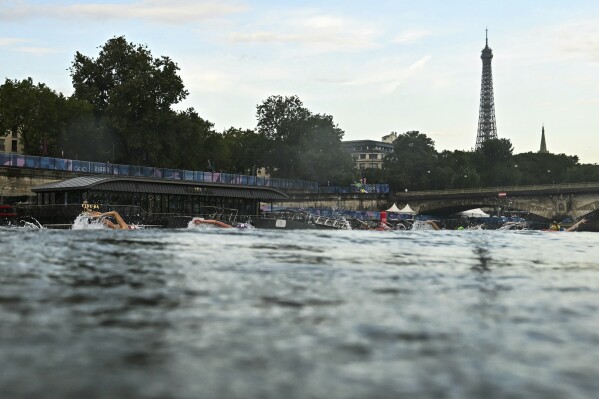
pixel 486 116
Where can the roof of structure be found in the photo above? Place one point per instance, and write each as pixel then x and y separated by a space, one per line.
pixel 144 185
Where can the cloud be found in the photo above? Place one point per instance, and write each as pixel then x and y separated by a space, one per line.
pixel 579 40
pixel 6 41
pixel 312 30
pixel 36 50
pixel 388 74
pixel 13 44
pixel 164 11
pixel 410 37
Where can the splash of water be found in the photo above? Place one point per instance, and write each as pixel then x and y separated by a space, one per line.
pixel 30 223
pixel 421 225
pixel 244 226
pixel 84 222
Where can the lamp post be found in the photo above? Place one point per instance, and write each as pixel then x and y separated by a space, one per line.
pixel 429 179
pixel 2 190
pixel 549 174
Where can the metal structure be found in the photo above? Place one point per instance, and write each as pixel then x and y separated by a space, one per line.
pixel 487 128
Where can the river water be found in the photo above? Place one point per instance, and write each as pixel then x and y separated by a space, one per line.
pixel 298 314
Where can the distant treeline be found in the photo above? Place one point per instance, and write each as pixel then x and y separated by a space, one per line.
pixel 414 164
pixel 121 111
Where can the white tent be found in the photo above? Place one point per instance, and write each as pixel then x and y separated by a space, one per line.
pixel 474 213
pixel 408 210
pixel 394 209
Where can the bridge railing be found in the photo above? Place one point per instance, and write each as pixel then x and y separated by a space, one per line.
pixel 355 188
pixel 502 189
pixel 107 168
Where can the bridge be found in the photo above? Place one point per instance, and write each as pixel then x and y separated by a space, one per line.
pixel 551 201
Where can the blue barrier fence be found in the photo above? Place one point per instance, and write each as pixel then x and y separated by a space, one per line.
pixel 70 165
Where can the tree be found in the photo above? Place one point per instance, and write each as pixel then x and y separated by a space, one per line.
pixel 409 164
pixel 87 135
pixel 323 158
pixel 279 118
pixel 301 144
pixel 583 173
pixel 190 141
pixel 133 91
pixel 495 164
pixel 545 168
pixel 247 150
pixel 452 167
pixel 35 112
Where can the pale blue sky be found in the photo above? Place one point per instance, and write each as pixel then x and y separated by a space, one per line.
pixel 376 66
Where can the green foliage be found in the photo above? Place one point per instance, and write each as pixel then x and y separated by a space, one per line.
pixel 412 158
pixel 34 111
pixel 247 149
pixel 133 92
pixel 301 144
pixel 495 164
pixel 537 168
pixel 191 141
pixel 492 165
pixel 87 135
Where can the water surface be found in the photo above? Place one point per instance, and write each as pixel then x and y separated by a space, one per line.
pixel 298 314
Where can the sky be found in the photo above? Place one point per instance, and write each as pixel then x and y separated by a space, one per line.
pixel 375 66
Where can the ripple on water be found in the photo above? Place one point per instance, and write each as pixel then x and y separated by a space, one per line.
pixel 295 314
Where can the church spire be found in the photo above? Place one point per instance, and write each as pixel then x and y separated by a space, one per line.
pixel 543 149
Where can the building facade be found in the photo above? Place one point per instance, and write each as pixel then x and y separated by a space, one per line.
pixel 10 143
pixel 368 154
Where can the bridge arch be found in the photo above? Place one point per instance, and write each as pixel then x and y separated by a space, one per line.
pixel 452 206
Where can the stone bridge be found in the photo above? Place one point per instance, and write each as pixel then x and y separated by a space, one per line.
pixel 551 201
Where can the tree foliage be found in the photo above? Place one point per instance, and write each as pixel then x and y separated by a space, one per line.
pixel 302 144
pixel 248 150
pixel 35 111
pixel 409 164
pixel 133 92
pixel 415 165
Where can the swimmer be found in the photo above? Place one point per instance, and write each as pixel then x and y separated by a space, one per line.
pixel 384 226
pixel 575 225
pixel 217 223
pixel 120 223
pixel 433 225
pixel 556 227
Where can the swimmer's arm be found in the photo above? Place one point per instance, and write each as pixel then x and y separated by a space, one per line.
pixel 575 226
pixel 433 224
pixel 121 223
